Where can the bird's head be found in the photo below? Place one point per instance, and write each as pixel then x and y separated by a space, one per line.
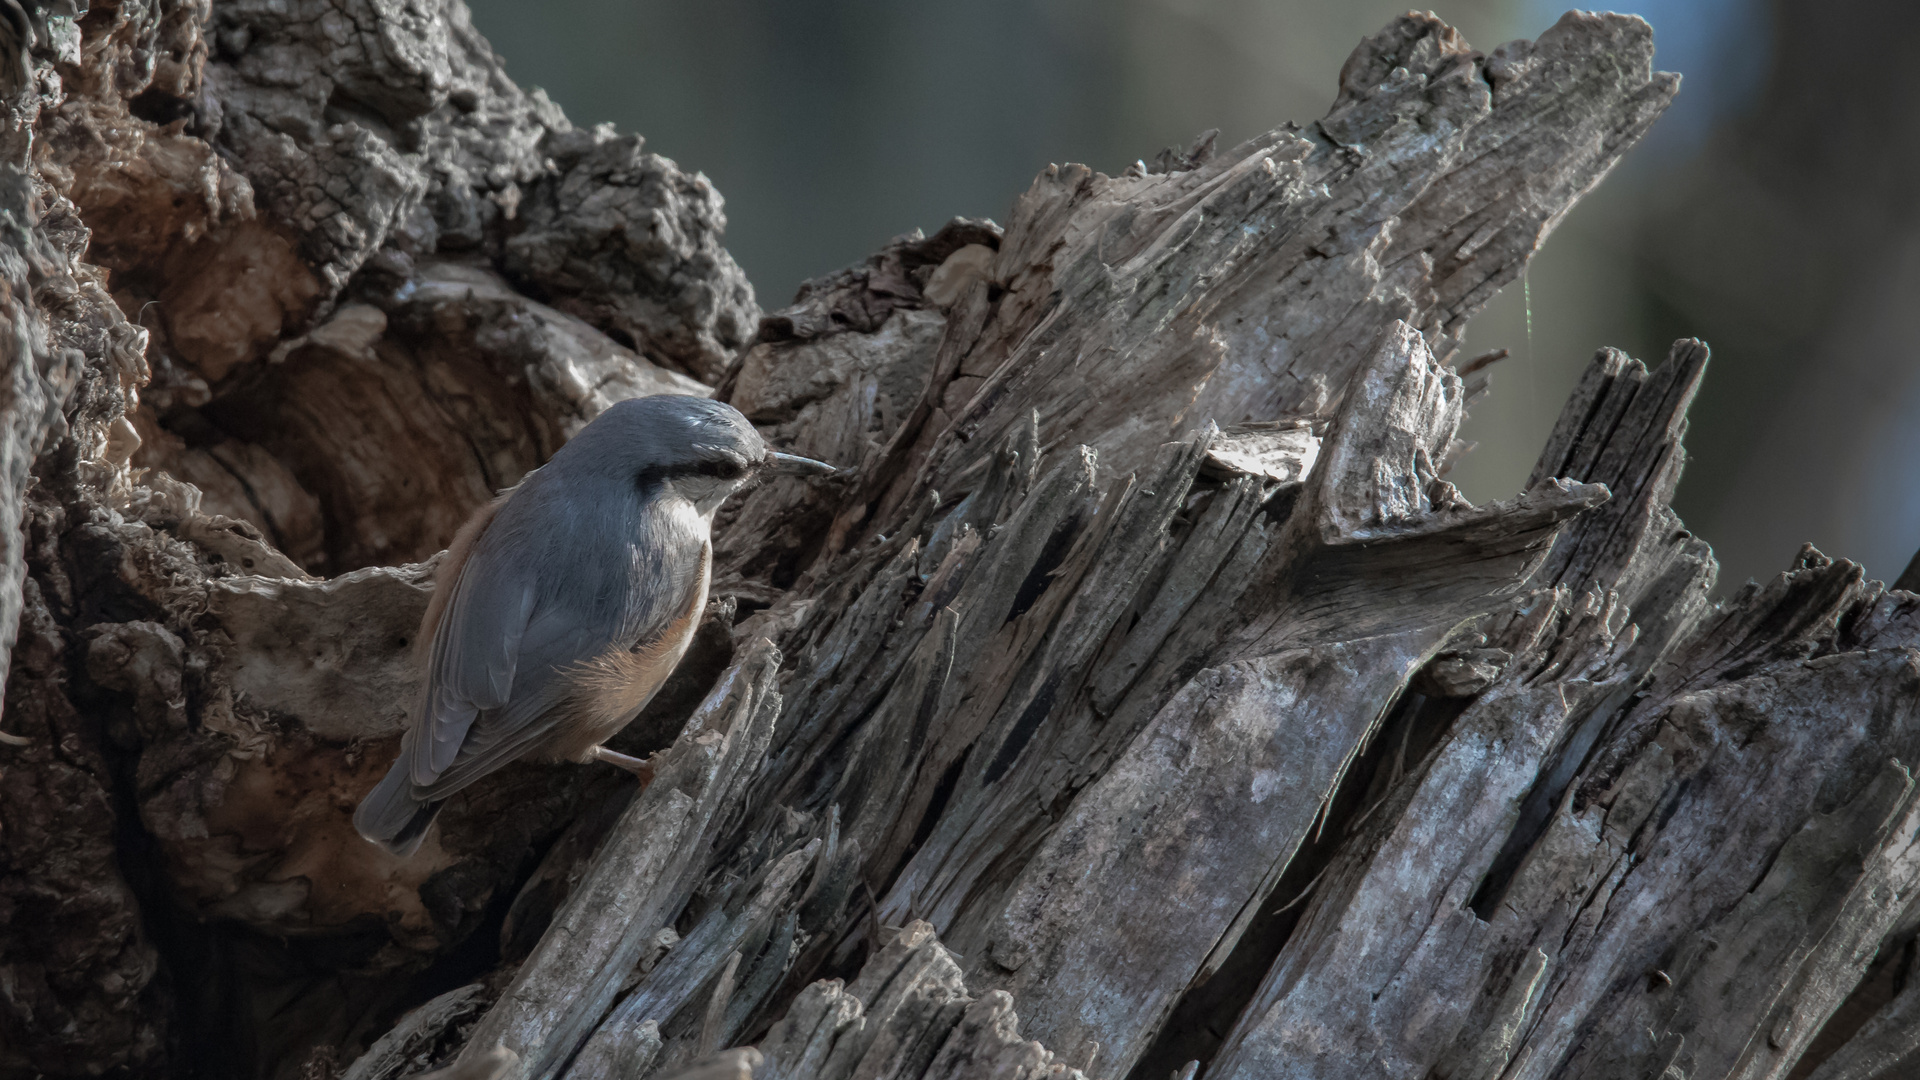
pixel 701 450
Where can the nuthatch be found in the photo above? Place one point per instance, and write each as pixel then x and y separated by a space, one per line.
pixel 564 604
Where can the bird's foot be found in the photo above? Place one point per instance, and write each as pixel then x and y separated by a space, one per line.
pixel 639 768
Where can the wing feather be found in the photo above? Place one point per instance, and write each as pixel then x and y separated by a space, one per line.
pixel 501 737
pixel 475 654
pixel 494 668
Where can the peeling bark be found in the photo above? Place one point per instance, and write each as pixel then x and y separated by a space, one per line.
pixel 1140 699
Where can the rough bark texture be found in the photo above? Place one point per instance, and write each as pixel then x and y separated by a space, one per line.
pixel 1140 700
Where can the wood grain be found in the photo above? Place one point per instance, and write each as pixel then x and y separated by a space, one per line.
pixel 1139 700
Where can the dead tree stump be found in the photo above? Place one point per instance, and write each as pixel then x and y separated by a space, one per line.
pixel 1143 695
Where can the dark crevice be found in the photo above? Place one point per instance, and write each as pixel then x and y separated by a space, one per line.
pixel 1023 729
pixel 156 106
pixel 240 1003
pixel 274 528
pixel 1414 726
pixel 1542 801
pixel 942 794
pixel 243 1003
pixel 1671 800
pixel 193 427
pixel 344 107
pixel 1885 979
pixel 1051 556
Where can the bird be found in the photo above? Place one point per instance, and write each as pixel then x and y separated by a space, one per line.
pixel 563 605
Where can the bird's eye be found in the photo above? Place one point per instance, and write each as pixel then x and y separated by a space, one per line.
pixel 725 468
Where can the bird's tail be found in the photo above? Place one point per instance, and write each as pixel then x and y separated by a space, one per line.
pixel 392 816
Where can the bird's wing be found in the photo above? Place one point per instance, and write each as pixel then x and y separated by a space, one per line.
pixel 475 655
pixel 554 640
pixel 495 668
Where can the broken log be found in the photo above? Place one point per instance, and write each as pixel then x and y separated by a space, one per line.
pixel 1140 700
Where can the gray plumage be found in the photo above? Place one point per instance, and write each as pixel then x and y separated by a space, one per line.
pixel 565 603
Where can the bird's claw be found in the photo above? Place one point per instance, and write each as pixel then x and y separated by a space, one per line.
pixel 634 765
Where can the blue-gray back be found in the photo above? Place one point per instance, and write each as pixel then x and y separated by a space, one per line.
pixel 579 559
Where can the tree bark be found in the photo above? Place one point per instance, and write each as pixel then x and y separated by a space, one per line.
pixel 1141 699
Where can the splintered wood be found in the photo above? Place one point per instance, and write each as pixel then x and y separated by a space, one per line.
pixel 1139 701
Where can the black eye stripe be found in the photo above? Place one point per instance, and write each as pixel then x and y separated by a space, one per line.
pixel 721 468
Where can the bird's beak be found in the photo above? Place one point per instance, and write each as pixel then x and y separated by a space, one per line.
pixel 795 465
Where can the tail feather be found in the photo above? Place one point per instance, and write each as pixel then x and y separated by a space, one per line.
pixel 392 816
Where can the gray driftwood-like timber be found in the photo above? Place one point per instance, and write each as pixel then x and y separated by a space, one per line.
pixel 1140 701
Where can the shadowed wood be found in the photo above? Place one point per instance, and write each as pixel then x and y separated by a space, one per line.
pixel 1141 654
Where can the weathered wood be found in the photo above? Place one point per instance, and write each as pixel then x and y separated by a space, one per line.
pixel 618 1050
pixel 1227 276
pixel 908 1014
pixel 1141 652
pixel 638 880
pixel 711 956
pixel 1599 881
pixel 1227 780
pixel 1887 1047
pixel 411 1043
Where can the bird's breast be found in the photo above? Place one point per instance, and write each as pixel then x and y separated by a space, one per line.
pixel 610 689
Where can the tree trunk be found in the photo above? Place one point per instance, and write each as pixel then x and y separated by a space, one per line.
pixel 1141 687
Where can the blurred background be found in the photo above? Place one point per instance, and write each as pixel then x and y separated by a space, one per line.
pixel 1771 212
